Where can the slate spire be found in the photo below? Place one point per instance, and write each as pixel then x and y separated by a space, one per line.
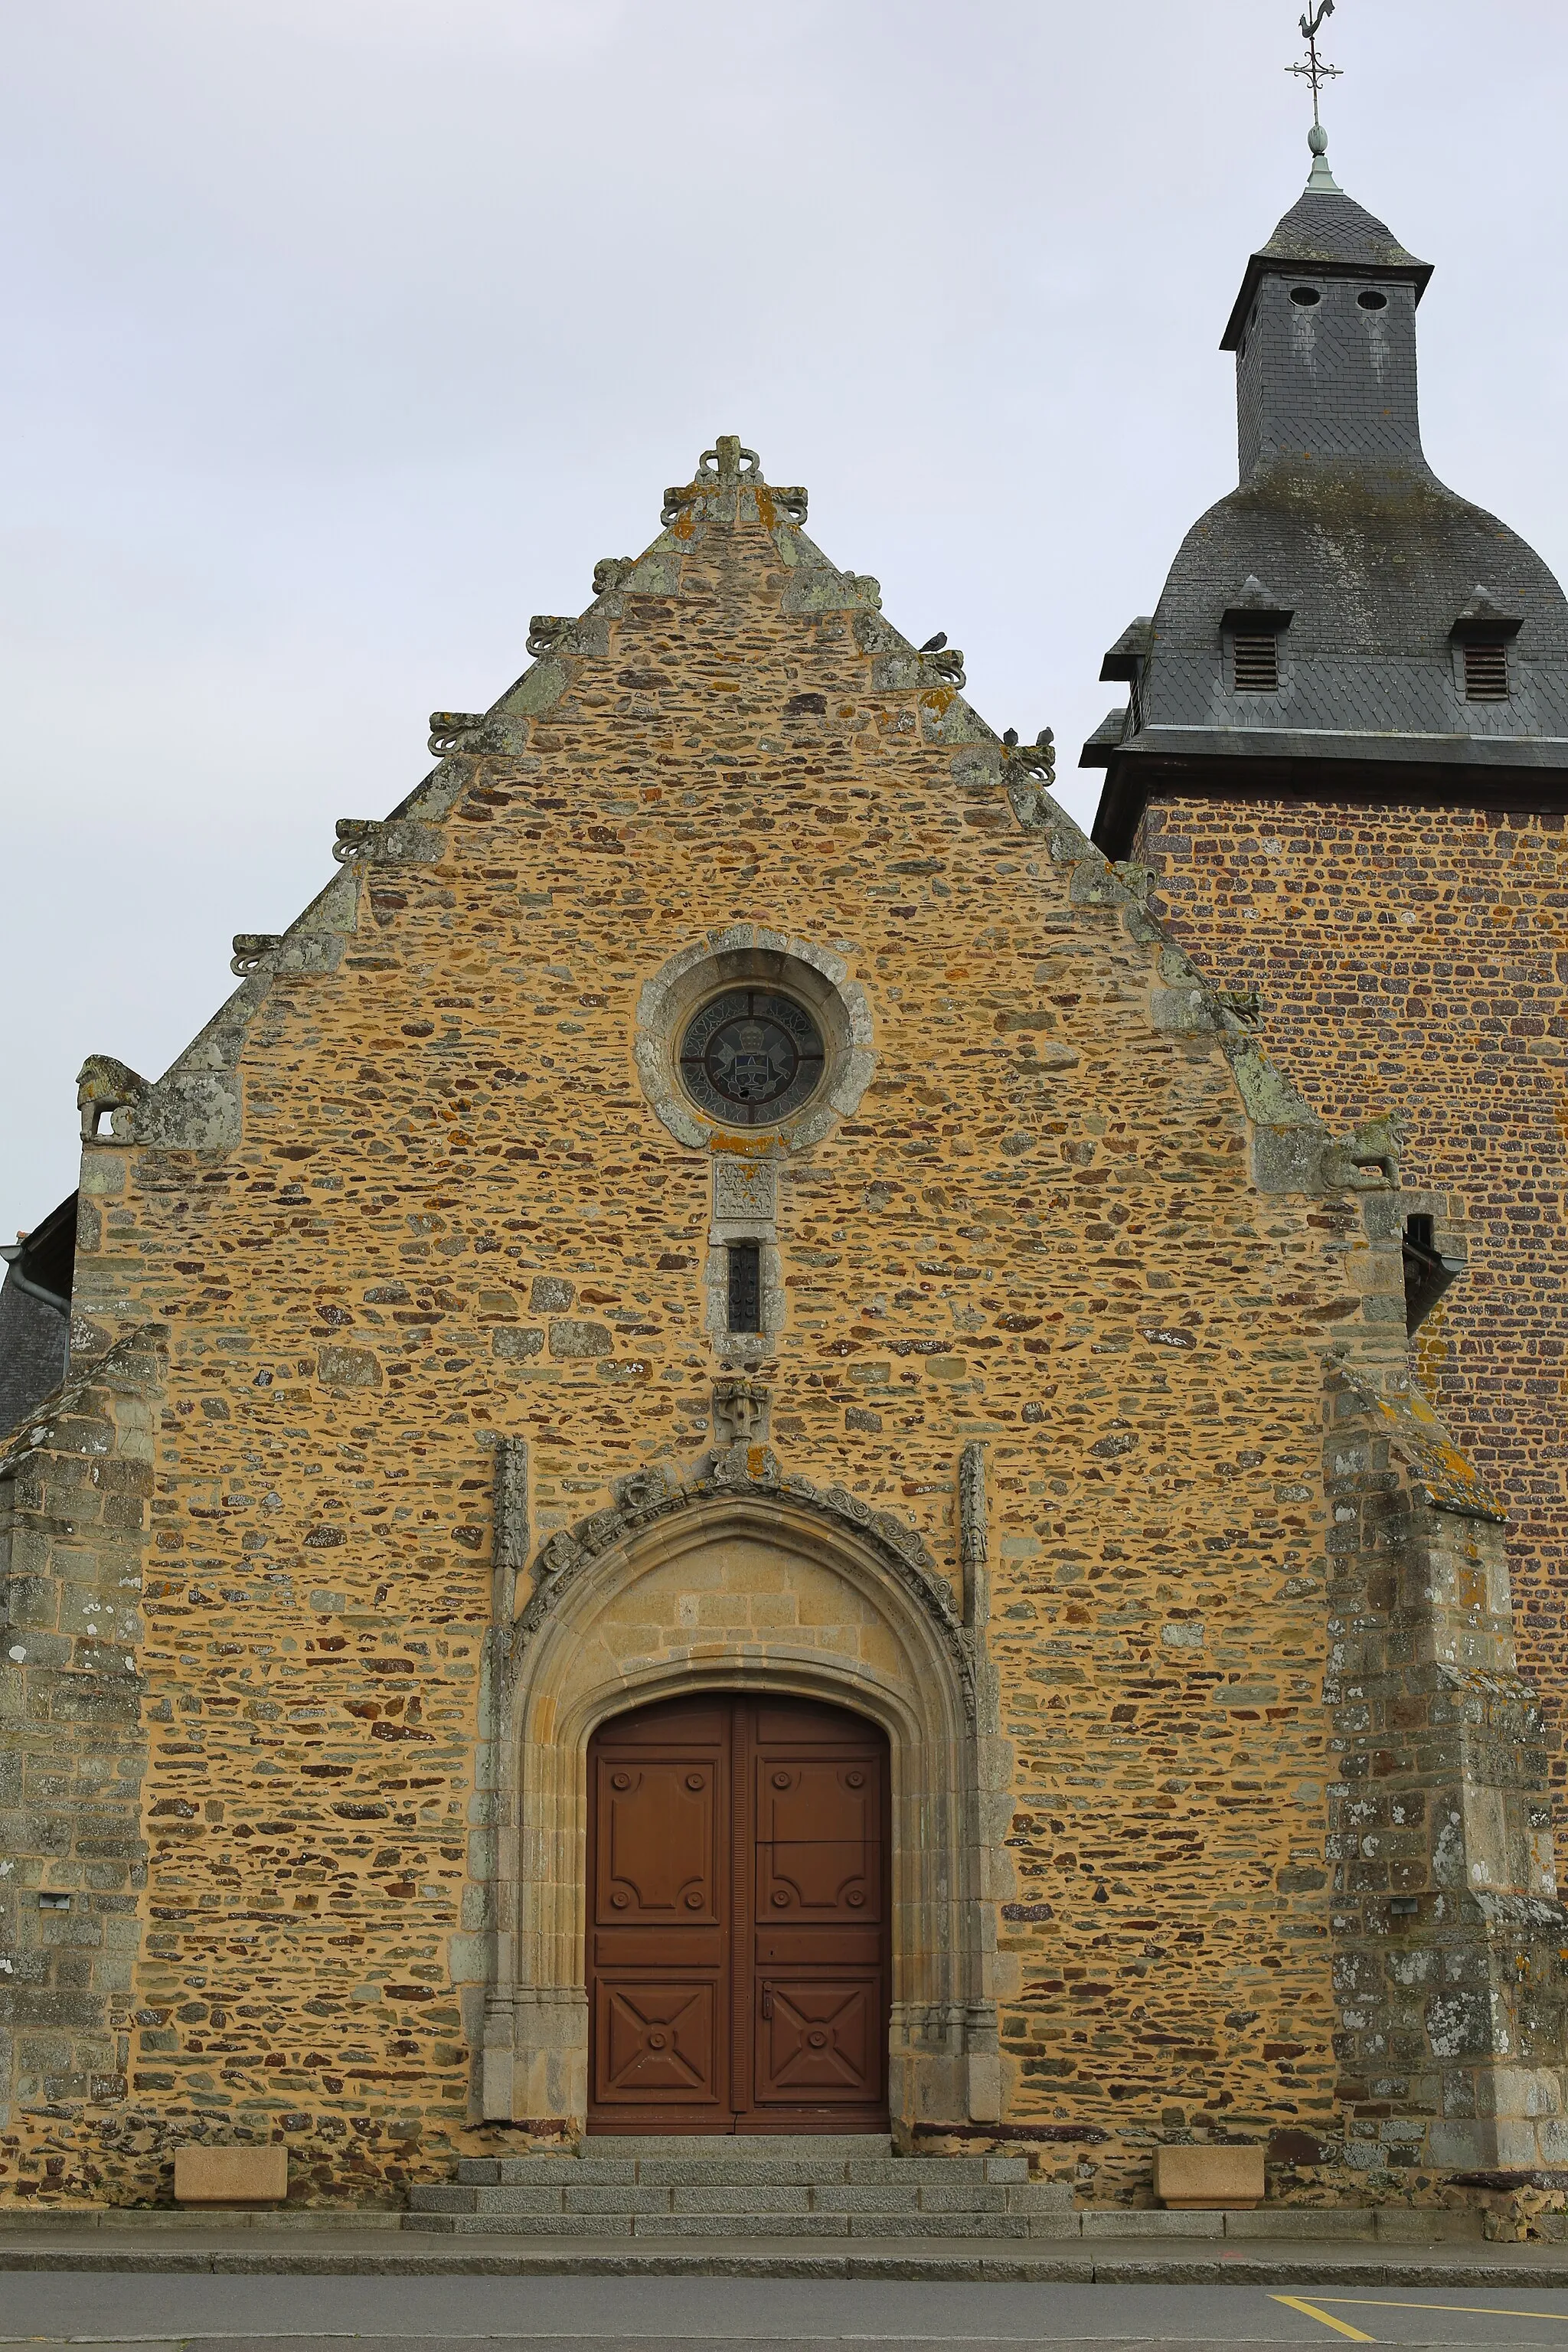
pixel 1372 563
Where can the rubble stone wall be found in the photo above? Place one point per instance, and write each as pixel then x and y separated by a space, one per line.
pixel 1413 959
pixel 407 1201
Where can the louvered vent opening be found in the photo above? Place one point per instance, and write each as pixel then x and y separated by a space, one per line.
pixel 1257 662
pixel 1486 673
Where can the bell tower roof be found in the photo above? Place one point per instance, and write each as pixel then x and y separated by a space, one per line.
pixel 1324 619
pixel 1327 232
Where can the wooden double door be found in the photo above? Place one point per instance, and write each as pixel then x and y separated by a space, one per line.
pixel 738 1928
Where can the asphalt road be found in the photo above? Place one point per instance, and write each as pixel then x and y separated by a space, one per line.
pixel 207 2313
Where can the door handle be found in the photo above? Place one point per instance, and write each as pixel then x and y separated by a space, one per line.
pixel 767 2000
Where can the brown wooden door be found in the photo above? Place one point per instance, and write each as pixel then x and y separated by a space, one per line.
pixel 738 1932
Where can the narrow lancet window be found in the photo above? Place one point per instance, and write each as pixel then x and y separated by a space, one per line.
pixel 745 1286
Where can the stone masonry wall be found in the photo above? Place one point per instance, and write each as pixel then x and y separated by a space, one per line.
pixel 1415 960
pixel 407 1196
pixel 73 1757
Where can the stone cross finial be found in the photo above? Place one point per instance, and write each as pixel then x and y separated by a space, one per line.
pixel 725 460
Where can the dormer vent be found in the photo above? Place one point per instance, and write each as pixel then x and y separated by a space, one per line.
pixel 1482 632
pixel 1486 673
pixel 1256 658
pixel 1253 624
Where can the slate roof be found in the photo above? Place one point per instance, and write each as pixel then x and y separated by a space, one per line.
pixel 1374 568
pixel 1334 232
pixel 35 1313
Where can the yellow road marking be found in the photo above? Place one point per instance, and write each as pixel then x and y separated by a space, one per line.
pixel 1482 2310
pixel 1340 2327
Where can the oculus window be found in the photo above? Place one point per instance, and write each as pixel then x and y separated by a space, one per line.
pixel 751 1058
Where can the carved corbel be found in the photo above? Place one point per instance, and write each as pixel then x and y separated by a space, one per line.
pixel 1367 1159
pixel 947 667
pixel 354 837
pixel 449 730
pixel 251 949
pixel 1037 759
pixel 103 1087
pixel 548 631
pixel 742 1411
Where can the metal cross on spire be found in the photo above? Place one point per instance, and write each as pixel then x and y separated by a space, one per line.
pixel 1313 70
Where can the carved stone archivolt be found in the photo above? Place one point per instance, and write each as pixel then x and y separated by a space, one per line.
pixel 742 1469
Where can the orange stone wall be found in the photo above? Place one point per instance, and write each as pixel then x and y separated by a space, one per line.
pixel 448 1213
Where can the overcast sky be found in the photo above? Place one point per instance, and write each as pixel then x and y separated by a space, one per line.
pixel 341 335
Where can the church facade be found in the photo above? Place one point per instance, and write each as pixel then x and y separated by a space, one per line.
pixel 734 1460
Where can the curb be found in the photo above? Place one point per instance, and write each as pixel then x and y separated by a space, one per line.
pixel 1129 2264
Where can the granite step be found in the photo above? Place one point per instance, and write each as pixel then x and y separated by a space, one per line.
pixel 710 2228
pixel 809 2188
pixel 711 2170
pixel 758 2146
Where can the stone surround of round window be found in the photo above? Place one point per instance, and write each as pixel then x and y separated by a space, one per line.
pixel 750 1034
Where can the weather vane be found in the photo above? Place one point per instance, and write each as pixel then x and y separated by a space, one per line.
pixel 1312 68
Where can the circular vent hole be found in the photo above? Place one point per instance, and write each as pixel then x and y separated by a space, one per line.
pixel 1305 296
pixel 1373 300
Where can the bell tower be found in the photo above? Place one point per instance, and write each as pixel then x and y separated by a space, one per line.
pixel 1343 763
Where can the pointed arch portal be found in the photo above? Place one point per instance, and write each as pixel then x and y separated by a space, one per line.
pixel 756 1593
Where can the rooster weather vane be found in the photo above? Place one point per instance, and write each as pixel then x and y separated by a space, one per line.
pixel 1314 70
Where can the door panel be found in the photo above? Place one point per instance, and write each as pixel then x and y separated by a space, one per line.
pixel 819 2039
pixel 658 2042
pixel 658 1846
pixel 807 1797
pixel 737 1961
pixel 817 1883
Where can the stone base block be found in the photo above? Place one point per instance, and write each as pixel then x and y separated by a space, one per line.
pixel 231 2176
pixel 1208 2179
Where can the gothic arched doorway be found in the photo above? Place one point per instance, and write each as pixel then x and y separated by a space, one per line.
pixel 738 1918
